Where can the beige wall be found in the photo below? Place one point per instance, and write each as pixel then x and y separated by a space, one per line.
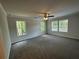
pixel 5 43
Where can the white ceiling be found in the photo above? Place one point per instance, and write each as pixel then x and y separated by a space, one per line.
pixel 33 7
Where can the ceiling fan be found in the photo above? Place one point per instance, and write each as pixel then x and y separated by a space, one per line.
pixel 46 16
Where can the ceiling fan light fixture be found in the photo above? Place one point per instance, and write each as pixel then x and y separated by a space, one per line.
pixel 45 18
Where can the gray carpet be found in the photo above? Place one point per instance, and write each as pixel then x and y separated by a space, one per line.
pixel 46 47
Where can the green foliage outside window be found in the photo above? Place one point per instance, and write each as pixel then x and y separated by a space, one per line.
pixel 60 25
pixel 63 25
pixel 21 28
pixel 55 26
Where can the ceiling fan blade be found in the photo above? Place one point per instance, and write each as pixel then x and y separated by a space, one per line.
pixel 51 16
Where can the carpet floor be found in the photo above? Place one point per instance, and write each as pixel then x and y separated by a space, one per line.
pixel 46 47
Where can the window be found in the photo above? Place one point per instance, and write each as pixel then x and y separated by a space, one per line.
pixel 60 25
pixel 63 26
pixel 55 26
pixel 21 28
pixel 43 28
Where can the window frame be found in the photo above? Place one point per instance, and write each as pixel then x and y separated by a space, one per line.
pixel 64 24
pixel 59 26
pixel 20 29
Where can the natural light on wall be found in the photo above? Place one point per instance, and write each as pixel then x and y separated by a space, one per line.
pixel 21 28
pixel 60 25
